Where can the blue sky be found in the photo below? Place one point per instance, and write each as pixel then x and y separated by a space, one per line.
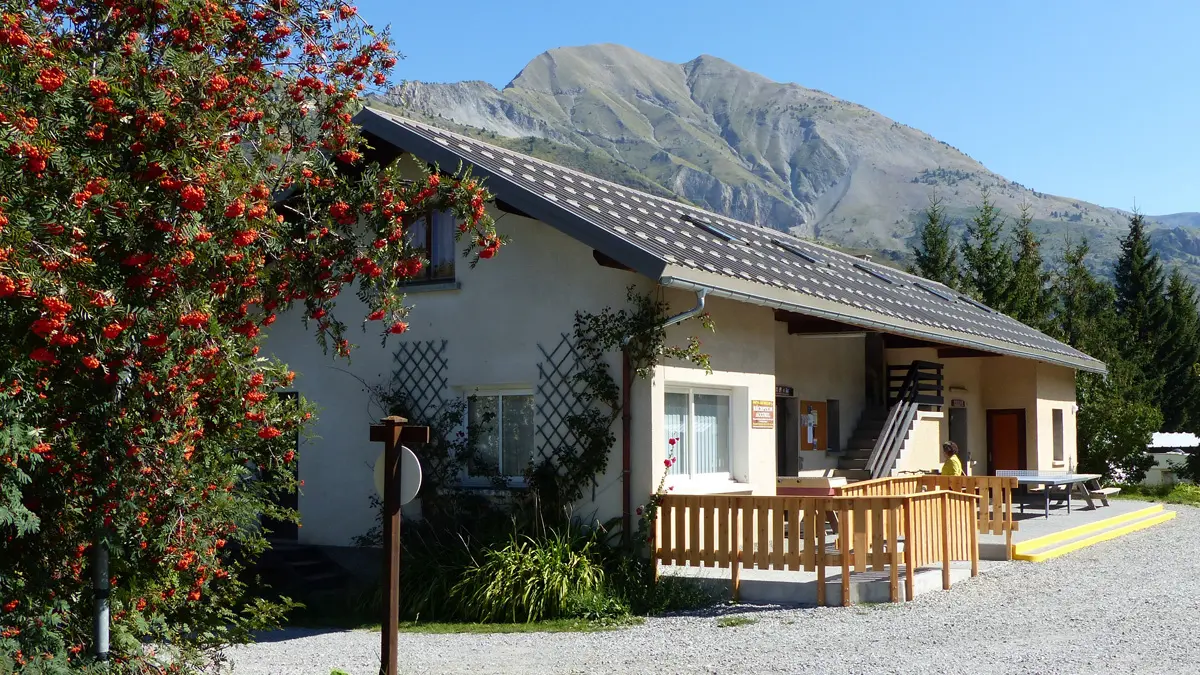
pixel 1097 100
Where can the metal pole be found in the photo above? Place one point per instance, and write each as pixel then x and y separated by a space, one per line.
pixel 100 593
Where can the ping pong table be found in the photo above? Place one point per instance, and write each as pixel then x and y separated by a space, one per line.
pixel 1053 479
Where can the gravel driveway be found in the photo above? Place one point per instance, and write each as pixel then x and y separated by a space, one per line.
pixel 1130 605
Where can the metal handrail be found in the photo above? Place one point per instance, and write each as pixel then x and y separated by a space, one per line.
pixel 899 420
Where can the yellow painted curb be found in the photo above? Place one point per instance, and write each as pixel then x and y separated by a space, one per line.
pixel 1096 539
pixel 1020 548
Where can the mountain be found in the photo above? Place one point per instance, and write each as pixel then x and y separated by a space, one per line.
pixel 768 153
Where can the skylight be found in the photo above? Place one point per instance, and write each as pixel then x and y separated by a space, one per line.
pixel 796 251
pixel 975 304
pixel 933 291
pixel 711 229
pixel 875 273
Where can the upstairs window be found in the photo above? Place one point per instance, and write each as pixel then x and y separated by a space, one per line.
pixel 433 235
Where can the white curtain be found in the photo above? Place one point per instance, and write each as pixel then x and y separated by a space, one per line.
pixel 711 430
pixel 517 424
pixel 676 426
pixel 441 257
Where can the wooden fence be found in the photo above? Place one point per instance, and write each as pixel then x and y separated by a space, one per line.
pixel 880 533
pixel 995 496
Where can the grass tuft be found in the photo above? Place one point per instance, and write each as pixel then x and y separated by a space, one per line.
pixel 735 621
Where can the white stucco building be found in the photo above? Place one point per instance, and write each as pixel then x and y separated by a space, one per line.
pixel 807 342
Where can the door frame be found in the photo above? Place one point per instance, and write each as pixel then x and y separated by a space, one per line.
pixel 1022 449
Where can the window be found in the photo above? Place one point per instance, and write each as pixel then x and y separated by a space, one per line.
pixel 501 425
pixel 698 432
pixel 1059 451
pixel 434 235
pixel 711 228
pixel 796 251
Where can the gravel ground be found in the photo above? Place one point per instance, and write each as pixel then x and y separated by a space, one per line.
pixel 1129 605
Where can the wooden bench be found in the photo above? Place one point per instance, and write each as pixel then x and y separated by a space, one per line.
pixel 1102 493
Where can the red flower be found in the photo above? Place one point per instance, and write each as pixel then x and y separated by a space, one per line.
pixel 342 213
pixel 7 286
pixel 11 605
pixel 235 209
pixel 245 238
pixel 91 362
pixel 112 330
pixel 377 315
pixel 98 87
pixel 193 320
pixel 192 198
pixel 289 456
pixel 51 79
pixel 43 355
pixel 672 441
pixel 45 326
pixel 398 328
pixel 267 433
pixel 40 449
pixel 348 156
pixel 155 340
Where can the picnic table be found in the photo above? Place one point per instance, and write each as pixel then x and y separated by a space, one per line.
pixel 1087 484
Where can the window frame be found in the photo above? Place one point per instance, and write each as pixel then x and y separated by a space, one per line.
pixel 1058 430
pixel 426 277
pixel 513 480
pixel 691 391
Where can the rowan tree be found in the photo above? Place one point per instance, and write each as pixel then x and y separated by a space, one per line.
pixel 174 175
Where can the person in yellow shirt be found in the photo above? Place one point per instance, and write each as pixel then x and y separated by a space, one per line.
pixel 953 465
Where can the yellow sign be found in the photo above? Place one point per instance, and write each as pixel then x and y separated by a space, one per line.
pixel 762 414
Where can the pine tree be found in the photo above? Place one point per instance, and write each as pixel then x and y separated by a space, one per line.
pixel 935 257
pixel 1142 305
pixel 1085 315
pixel 1178 356
pixel 1029 300
pixel 988 265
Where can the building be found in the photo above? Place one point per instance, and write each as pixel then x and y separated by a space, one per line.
pixel 809 353
pixel 1170 453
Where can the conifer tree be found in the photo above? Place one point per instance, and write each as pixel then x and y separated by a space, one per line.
pixel 987 259
pixel 1029 300
pixel 1141 303
pixel 935 257
pixel 1178 356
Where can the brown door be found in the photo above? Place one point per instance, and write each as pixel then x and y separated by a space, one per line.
pixel 1006 440
pixel 816 440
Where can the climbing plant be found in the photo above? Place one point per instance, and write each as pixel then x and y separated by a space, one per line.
pixel 559 478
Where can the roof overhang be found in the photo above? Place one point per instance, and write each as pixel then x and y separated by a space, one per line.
pixel 516 195
pixel 749 292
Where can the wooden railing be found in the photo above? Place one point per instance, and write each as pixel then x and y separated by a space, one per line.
pixel 995 496
pixel 919 381
pixel 881 533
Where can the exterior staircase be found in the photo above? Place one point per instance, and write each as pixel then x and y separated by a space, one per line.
pixel 875 446
pixel 852 464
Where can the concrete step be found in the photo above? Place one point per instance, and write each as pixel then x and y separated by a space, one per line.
pixel 849 463
pixel 862 453
pixel 1061 543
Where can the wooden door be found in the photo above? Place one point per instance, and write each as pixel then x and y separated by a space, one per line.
pixel 817 439
pixel 1006 440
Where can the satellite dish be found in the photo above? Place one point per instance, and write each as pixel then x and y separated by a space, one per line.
pixel 409 479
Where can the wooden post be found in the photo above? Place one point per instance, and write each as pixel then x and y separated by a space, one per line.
pixel 391 432
pixel 909 535
pixel 844 547
pixel 893 540
pixel 945 541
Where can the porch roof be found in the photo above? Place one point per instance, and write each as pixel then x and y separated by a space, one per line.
pixel 686 247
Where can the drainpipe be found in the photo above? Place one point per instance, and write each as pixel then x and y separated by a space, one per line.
pixel 626 416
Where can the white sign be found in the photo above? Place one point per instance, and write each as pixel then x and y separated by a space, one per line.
pixel 410 475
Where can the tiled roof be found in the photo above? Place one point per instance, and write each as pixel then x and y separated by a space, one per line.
pixel 684 246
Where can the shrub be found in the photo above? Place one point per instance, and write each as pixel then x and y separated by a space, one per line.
pixel 175 177
pixel 533 579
